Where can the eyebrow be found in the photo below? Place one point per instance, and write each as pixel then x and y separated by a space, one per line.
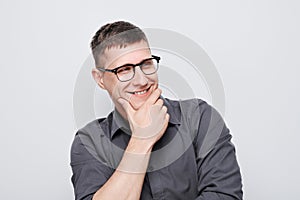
pixel 131 64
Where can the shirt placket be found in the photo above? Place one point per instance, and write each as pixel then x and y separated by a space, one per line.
pixel 155 185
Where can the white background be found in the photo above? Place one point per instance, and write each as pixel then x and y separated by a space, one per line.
pixel 254 44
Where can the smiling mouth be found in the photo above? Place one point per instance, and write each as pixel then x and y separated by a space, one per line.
pixel 140 92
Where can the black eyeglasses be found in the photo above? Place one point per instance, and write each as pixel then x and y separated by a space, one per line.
pixel 126 72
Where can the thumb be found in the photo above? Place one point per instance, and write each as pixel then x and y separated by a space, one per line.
pixel 126 105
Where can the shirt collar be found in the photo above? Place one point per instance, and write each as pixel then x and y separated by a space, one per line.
pixel 118 122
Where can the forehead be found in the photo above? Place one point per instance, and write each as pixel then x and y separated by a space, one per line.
pixel 132 53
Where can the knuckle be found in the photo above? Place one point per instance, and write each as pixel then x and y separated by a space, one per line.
pixel 160 101
pixel 164 108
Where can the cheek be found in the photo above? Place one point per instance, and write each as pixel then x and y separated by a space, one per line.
pixel 153 78
pixel 109 81
pixel 117 89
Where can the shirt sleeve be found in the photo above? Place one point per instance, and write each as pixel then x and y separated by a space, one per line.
pixel 217 167
pixel 89 174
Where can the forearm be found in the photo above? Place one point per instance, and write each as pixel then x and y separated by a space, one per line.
pixel 147 124
pixel 127 180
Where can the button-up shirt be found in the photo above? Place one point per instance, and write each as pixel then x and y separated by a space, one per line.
pixel 194 159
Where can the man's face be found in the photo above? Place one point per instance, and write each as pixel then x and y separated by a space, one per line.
pixel 138 89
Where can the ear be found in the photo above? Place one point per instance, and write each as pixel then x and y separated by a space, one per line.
pixel 98 77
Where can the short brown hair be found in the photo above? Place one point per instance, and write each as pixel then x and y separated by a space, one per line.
pixel 117 34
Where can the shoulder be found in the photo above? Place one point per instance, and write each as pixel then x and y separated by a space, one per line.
pixel 91 142
pixel 199 116
pixel 187 102
pixel 89 136
pixel 97 127
pixel 189 107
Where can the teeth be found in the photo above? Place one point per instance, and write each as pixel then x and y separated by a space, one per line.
pixel 141 92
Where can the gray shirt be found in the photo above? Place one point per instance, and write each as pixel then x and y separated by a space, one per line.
pixel 193 160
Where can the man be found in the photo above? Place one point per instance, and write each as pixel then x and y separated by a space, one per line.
pixel 149 147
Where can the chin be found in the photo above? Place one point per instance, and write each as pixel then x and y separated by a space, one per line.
pixel 137 105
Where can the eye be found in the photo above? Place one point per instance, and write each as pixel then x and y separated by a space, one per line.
pixel 147 63
pixel 124 70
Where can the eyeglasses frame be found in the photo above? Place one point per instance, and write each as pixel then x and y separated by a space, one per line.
pixel 157 58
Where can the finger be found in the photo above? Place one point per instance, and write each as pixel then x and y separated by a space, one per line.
pixel 164 109
pixel 167 117
pixel 126 105
pixel 159 103
pixel 166 122
pixel 153 97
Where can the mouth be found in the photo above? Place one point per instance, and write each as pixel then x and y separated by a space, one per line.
pixel 141 92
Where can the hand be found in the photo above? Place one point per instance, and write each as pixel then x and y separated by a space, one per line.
pixel 150 121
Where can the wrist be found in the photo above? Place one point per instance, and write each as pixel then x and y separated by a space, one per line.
pixel 139 146
pixel 136 156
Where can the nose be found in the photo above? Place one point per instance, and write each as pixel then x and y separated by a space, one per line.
pixel 139 77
